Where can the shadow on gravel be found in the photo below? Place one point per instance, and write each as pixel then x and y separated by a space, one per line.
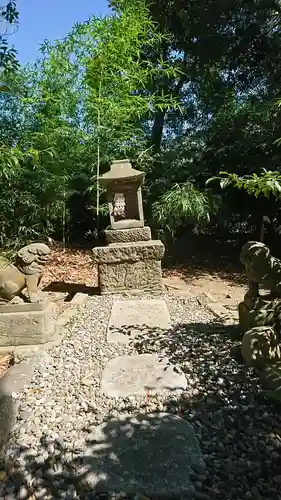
pixel 70 288
pixel 239 434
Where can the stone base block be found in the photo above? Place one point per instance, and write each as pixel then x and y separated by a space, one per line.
pixel 128 235
pixel 130 276
pixel 129 252
pixel 130 266
pixel 27 324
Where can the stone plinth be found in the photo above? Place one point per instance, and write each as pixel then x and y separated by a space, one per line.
pixel 27 324
pixel 132 266
pixel 128 235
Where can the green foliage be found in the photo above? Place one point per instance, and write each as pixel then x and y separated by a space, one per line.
pixel 186 94
pixel 8 56
pixel 183 204
pixel 266 184
pixel 118 77
pixel 79 107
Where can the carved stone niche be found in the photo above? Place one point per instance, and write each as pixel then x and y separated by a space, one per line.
pixel 123 185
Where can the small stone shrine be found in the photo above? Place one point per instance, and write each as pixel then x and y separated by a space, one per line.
pixel 131 261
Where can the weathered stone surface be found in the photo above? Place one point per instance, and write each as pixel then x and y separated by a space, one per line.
pixel 16 378
pixel 150 312
pixel 141 374
pixel 129 317
pixel 260 345
pixel 7 419
pixel 26 327
pixel 23 307
pixel 14 381
pixel 129 252
pixel 270 377
pixel 130 276
pixel 127 224
pixel 261 315
pixel 123 186
pixel 128 235
pixel 262 268
pixel 154 454
pixel 27 273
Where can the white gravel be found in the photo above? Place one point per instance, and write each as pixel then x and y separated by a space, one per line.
pixel 239 432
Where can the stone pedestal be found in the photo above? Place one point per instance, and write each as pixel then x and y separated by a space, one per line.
pixel 131 266
pixel 27 324
pixel 128 235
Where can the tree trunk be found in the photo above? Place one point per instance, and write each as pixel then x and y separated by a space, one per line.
pixel 157 129
pixel 159 117
pixel 262 229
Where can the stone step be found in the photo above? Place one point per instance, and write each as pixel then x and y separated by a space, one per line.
pixel 130 317
pixel 151 453
pixel 141 375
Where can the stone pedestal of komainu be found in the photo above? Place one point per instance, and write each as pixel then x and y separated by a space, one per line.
pixel 260 315
pixel 23 323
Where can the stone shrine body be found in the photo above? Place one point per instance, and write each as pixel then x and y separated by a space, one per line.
pixel 131 261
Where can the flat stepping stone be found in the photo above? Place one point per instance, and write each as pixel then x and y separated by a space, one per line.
pixel 154 454
pixel 130 317
pixel 139 375
pixel 16 378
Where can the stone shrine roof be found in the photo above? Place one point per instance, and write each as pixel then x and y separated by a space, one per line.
pixel 121 170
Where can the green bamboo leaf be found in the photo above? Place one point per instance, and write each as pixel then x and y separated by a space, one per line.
pixel 224 183
pixel 211 179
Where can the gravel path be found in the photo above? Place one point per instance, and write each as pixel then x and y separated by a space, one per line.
pixel 240 433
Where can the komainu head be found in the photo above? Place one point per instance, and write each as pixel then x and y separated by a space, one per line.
pixel 255 253
pixel 32 258
pixel 260 266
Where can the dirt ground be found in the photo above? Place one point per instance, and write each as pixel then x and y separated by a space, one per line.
pixel 71 270
pixel 204 267
pixel 210 270
pixel 226 291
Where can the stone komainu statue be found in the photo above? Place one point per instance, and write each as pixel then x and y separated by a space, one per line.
pixel 26 273
pixel 260 315
pixel 262 269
